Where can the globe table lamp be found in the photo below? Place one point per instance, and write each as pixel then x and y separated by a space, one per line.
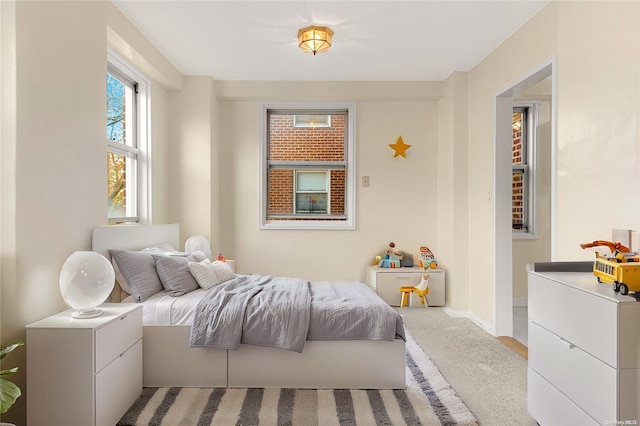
pixel 86 280
pixel 198 243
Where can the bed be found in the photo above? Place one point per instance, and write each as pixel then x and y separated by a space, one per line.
pixel 168 359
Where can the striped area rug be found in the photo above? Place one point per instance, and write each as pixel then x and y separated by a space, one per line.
pixel 427 400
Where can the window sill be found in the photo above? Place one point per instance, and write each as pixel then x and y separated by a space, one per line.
pixel 302 225
pixel 524 236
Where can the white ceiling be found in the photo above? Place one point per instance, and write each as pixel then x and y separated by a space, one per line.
pixel 373 40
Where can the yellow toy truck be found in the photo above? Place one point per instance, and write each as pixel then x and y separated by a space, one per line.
pixel 622 269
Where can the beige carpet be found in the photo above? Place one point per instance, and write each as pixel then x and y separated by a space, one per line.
pixel 489 377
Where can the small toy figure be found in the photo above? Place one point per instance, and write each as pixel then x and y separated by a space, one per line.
pixel 393 253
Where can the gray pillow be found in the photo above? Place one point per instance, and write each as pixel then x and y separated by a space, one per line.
pixel 175 275
pixel 138 268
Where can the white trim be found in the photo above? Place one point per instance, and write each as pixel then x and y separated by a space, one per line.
pixel 350 173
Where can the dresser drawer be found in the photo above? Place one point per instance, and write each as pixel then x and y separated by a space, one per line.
pixel 118 385
pixel 116 337
pixel 587 381
pixel 549 407
pixel 587 321
pixel 389 283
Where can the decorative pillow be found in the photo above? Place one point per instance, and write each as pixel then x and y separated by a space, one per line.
pixel 138 270
pixel 124 285
pixel 210 274
pixel 175 275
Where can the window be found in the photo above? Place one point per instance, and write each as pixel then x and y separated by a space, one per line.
pixel 523 178
pixel 307 167
pixel 313 193
pixel 127 145
pixel 314 120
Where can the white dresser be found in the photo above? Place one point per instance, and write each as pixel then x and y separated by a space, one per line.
pixel 584 348
pixel 387 282
pixel 84 371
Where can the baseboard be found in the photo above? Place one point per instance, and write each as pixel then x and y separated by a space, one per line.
pixel 475 319
pixel 520 302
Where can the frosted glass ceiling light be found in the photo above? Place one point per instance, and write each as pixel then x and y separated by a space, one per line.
pixel 315 39
pixel 86 280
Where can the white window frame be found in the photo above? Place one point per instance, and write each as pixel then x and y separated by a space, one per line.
pixel 350 170
pixel 530 175
pixel 140 185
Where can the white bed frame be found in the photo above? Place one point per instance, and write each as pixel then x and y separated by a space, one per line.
pixel 169 361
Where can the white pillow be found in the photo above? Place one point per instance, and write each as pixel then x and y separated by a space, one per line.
pixel 210 274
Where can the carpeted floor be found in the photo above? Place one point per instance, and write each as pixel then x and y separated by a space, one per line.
pixel 427 400
pixel 489 377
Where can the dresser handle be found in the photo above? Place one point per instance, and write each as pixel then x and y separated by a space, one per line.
pixel 568 343
pixel 122 317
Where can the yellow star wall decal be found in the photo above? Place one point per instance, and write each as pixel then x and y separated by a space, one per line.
pixel 399 147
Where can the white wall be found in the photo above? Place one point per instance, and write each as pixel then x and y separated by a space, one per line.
pixel 399 206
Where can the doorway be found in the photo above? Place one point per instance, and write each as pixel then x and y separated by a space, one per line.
pixel 511 256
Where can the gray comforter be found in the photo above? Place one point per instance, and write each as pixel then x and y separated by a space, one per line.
pixel 285 312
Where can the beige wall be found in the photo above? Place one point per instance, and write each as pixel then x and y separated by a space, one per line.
pixel 399 205
pixel 598 113
pixel 190 174
pixel 597 49
pixel 53 152
pixel 453 187
pixel 532 45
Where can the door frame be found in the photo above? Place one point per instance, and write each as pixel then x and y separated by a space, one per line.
pixel 503 237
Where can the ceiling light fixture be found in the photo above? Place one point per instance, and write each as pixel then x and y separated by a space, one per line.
pixel 315 39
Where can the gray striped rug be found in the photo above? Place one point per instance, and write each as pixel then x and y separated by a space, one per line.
pixel 427 400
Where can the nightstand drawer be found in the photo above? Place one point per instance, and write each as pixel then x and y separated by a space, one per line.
pixel 578 375
pixel 116 337
pixel 577 316
pixel 118 385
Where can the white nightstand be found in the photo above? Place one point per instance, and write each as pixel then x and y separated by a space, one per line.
pixel 387 282
pixel 84 371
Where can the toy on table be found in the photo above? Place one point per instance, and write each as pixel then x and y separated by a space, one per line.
pixel 392 258
pixel 622 268
pixel 427 259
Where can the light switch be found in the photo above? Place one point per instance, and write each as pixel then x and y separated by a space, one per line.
pixel 365 181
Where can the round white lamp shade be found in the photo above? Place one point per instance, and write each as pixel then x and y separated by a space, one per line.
pixel 86 280
pixel 198 243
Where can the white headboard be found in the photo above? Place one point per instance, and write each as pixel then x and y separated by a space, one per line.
pixel 133 237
